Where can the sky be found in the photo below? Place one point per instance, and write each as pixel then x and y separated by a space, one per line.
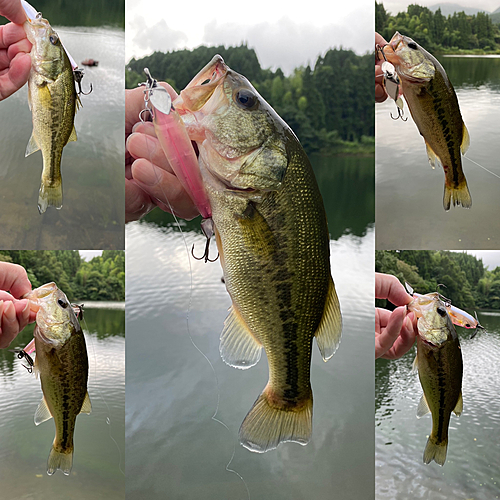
pixel 395 6
pixel 89 254
pixel 491 258
pixel 284 34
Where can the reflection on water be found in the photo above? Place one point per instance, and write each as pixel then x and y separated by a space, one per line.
pixel 409 193
pixel 92 216
pixel 97 459
pixel 172 393
pixel 471 468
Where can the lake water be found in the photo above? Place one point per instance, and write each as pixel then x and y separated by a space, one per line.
pixel 174 448
pixel 409 194
pixel 99 447
pixel 92 216
pixel 471 469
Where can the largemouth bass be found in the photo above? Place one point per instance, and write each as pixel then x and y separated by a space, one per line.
pixel 434 108
pixel 61 360
pixel 53 102
pixel 272 236
pixel 439 363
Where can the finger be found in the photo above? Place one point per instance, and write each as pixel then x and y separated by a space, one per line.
pixel 23 45
pixel 15 76
pixel 14 278
pixel 405 340
pixel 389 287
pixel 389 335
pixel 148 147
pixel 137 202
pixel 165 187
pixel 9 325
pixel 14 11
pixel 11 33
pixel 380 40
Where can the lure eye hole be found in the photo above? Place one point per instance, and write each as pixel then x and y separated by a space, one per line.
pixel 245 98
pixel 441 311
pixel 206 81
pixel 467 325
pixel 63 304
pixel 412 45
pixel 53 39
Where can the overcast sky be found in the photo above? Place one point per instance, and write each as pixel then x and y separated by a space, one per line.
pixel 89 254
pixel 395 6
pixel 491 258
pixel 284 34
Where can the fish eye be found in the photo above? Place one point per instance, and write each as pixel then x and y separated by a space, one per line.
pixel 245 98
pixel 412 45
pixel 441 311
pixel 53 39
pixel 63 304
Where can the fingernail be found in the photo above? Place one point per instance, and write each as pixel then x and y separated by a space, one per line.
pixel 134 128
pixel 26 307
pixel 9 312
pixel 146 174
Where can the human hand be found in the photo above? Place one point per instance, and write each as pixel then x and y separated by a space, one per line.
pixel 149 178
pixel 15 314
pixel 395 331
pixel 380 93
pixel 15 61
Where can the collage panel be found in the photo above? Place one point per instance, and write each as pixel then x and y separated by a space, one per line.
pixel 451 373
pixel 192 322
pixel 69 359
pixel 73 105
pixel 449 71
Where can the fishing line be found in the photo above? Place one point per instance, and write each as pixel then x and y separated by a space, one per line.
pixel 484 168
pixel 108 418
pixel 190 301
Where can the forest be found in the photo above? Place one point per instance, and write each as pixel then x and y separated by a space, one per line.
pixel 102 278
pixel 467 283
pixel 457 33
pixel 329 106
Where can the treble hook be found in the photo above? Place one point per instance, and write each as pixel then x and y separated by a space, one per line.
pixel 78 75
pixel 207 227
pixel 78 310
pixel 400 115
pixel 23 354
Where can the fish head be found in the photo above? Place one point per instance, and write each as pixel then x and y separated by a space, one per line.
pixel 47 54
pixel 243 140
pixel 55 318
pixel 435 327
pixel 411 60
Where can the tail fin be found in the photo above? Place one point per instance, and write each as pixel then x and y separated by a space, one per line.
pixel 435 451
pixel 267 425
pixel 49 196
pixel 60 460
pixel 459 196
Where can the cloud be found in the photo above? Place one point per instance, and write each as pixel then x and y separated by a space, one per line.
pixel 157 37
pixel 288 44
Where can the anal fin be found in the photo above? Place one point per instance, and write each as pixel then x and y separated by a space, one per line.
pixel 32 146
pixel 423 407
pixel 86 406
pixel 459 407
pixel 330 328
pixel 42 412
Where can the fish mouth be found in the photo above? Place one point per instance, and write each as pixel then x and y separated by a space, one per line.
pixel 202 86
pixel 37 295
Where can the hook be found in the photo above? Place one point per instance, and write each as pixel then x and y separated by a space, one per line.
pixel 400 115
pixel 23 354
pixel 78 75
pixel 207 227
pixel 78 310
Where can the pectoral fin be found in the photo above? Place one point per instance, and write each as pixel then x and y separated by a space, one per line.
pixel 32 146
pixel 459 407
pixel 42 412
pixel 238 346
pixel 86 406
pixel 330 329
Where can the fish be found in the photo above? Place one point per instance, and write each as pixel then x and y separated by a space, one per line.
pixel 434 108
pixel 53 102
pixel 272 235
pixel 440 367
pixel 62 364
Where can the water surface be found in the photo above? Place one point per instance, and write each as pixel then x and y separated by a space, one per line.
pixel 471 469
pixel 92 216
pixel 409 194
pixel 174 448
pixel 99 445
